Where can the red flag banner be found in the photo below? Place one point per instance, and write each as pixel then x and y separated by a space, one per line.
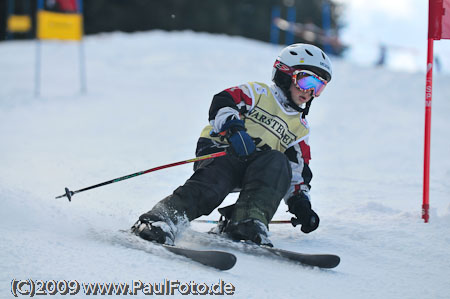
pixel 446 20
pixel 67 5
pixel 439 19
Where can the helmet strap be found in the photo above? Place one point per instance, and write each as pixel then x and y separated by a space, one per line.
pixel 306 109
pixel 294 106
pixel 303 111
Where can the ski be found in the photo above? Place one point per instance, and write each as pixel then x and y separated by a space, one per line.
pixel 324 261
pixel 212 258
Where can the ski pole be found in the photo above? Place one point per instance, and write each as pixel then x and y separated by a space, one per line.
pixel 69 193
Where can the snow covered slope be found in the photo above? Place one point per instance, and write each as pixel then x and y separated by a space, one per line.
pixel 148 99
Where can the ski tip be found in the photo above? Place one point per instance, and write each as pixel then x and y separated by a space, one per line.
pixel 227 262
pixel 338 261
pixel 221 260
pixel 329 261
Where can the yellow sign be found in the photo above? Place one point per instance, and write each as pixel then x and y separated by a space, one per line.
pixel 53 25
pixel 19 23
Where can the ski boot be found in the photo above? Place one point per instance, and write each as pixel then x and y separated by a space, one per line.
pixel 250 229
pixel 154 230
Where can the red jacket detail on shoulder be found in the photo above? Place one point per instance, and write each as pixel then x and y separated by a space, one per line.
pixel 238 95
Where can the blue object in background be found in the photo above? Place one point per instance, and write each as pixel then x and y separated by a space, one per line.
pixel 274 30
pixel 291 18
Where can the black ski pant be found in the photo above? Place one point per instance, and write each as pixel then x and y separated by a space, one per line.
pixel 264 178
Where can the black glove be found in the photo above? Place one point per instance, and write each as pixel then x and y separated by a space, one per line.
pixel 241 143
pixel 300 206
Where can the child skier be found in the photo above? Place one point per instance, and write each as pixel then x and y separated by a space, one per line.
pixel 264 130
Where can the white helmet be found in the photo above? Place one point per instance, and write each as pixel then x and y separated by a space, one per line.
pixel 304 57
pixel 300 57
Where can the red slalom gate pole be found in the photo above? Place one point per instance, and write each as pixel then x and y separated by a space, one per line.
pixel 69 193
pixel 426 163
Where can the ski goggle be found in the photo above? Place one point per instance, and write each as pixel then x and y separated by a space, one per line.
pixel 307 80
